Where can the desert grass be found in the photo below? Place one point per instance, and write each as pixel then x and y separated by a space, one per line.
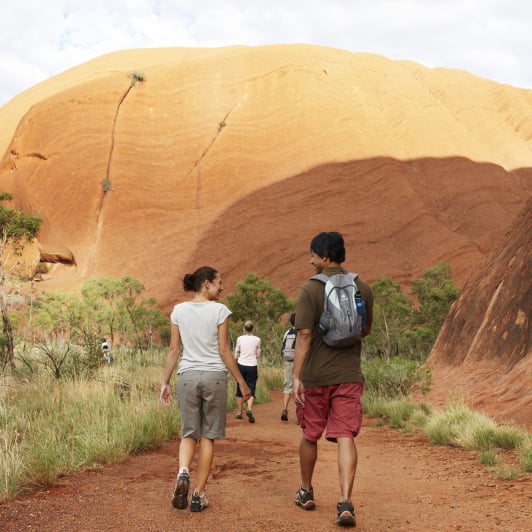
pixel 399 413
pixel 525 455
pixel 51 428
pixel 456 425
pixel 11 464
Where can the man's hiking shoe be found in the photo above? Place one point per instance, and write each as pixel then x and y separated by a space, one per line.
pixel 284 415
pixel 238 415
pixel 180 498
pixel 346 514
pixel 250 416
pixel 198 502
pixel 305 499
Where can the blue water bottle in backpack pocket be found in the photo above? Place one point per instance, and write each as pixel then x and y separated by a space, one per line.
pixel 361 310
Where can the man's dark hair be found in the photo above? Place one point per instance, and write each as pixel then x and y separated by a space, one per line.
pixel 330 245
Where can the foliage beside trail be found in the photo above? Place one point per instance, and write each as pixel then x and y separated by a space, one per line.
pixel 50 428
pixel 17 230
pixel 405 327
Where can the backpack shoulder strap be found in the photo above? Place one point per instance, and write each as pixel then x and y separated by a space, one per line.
pixel 355 277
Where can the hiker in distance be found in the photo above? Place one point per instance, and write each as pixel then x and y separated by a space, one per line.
pixel 106 351
pixel 247 355
pixel 200 327
pixel 287 353
pixel 328 382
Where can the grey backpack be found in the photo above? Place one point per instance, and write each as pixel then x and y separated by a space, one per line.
pixel 288 348
pixel 343 320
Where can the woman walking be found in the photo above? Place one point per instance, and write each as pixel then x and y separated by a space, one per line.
pixel 200 328
pixel 247 353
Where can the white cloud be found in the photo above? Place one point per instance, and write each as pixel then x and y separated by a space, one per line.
pixel 489 38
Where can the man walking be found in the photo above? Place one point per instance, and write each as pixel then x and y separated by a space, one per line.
pixel 288 352
pixel 328 381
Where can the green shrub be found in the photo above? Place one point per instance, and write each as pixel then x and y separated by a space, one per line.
pixel 509 437
pixel 488 457
pixel 43 267
pixel 256 299
pixel 456 425
pixel 399 413
pixel 136 77
pixel 486 434
pixel 403 328
pixel 273 378
pixel 374 405
pixel 525 454
pixel 66 426
pixel 106 185
pixel 503 472
pixel 420 415
pixel 395 377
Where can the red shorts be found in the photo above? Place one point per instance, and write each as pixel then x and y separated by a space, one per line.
pixel 336 408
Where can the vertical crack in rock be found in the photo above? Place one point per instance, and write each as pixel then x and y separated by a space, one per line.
pixel 197 164
pixel 197 167
pixel 99 214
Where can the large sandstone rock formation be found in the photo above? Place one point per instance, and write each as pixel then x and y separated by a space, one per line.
pixel 236 157
pixel 483 353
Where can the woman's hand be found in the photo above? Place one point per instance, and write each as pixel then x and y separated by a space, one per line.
pixel 244 388
pixel 166 394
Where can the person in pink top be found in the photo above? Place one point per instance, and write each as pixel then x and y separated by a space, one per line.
pixel 247 354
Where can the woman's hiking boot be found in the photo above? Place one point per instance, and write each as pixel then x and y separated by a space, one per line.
pixel 346 514
pixel 198 502
pixel 180 498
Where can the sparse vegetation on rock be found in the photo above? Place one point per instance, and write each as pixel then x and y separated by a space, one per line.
pixel 136 77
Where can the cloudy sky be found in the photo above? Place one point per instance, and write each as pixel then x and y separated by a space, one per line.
pixel 489 38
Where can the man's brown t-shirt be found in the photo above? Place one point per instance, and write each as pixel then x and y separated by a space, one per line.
pixel 326 365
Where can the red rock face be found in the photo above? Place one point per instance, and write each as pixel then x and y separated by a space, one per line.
pixel 483 353
pixel 237 157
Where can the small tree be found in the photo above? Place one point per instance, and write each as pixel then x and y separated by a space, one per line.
pixel 116 301
pixel 403 329
pixel 391 315
pixel 257 300
pixel 436 292
pixel 17 229
pixel 135 77
pixel 69 327
pixel 61 322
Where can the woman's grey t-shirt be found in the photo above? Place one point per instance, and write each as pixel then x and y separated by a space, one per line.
pixel 198 327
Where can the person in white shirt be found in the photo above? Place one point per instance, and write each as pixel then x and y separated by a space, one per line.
pixel 200 342
pixel 106 351
pixel 247 354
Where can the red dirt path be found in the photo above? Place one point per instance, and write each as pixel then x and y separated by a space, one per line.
pixel 402 483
